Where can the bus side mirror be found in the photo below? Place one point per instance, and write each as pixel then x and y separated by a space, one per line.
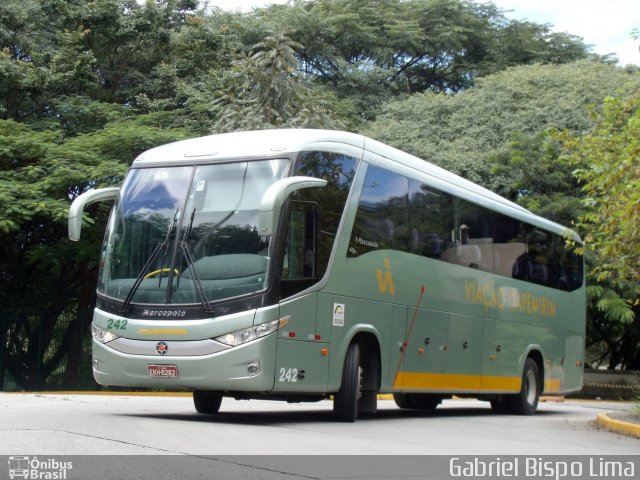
pixel 274 197
pixel 78 205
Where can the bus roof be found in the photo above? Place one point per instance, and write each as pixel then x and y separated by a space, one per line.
pixel 245 144
pixel 269 143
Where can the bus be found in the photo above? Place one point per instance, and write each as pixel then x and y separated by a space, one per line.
pixel 302 265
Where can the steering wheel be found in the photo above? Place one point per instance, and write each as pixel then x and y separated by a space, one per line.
pixel 161 271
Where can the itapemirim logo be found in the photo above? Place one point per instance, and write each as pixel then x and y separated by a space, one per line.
pixel 38 469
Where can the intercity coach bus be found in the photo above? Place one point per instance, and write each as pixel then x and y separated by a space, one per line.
pixel 306 264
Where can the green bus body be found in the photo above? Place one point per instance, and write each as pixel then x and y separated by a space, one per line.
pixel 299 264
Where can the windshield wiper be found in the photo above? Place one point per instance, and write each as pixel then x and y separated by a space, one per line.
pixel 186 249
pixel 186 255
pixel 156 251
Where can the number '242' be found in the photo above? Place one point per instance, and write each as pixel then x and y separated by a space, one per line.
pixel 117 324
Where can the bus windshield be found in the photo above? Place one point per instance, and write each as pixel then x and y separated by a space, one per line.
pixel 183 235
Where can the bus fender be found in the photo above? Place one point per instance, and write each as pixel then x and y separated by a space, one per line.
pixel 536 352
pixel 339 352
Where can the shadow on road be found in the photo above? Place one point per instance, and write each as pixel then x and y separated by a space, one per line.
pixel 314 415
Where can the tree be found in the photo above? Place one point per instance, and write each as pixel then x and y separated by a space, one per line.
pixel 266 90
pixel 47 284
pixel 527 43
pixel 613 324
pixel 440 45
pixel 86 86
pixel 372 51
pixel 57 139
pixel 470 132
pixel 607 166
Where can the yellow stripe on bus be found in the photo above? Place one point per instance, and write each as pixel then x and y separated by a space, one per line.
pixel 455 382
pixel 552 385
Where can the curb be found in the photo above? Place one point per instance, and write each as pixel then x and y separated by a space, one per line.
pixel 105 393
pixel 618 426
pixel 132 394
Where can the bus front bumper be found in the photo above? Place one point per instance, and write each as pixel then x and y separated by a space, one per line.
pixel 249 367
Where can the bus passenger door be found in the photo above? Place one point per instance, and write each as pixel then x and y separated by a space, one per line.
pixel 300 363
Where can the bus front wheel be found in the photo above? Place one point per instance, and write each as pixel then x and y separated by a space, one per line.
pixel 207 401
pixel 345 401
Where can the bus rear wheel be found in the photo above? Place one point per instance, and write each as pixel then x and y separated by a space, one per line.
pixel 526 402
pixel 499 405
pixel 345 401
pixel 417 401
pixel 207 401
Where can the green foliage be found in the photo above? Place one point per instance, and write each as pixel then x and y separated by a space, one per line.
pixel 609 303
pixel 613 329
pixel 607 163
pixel 438 45
pixel 264 91
pixel 469 132
pixel 372 51
pixel 43 276
pixel 87 86
pixel 532 173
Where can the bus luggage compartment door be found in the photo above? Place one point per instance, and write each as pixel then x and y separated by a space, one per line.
pixel 301 366
pixel 302 358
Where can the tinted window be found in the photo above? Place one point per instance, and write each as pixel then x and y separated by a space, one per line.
pixel 314 218
pixel 382 219
pixel 395 212
pixel 472 236
pixel 508 244
pixel 430 220
pixel 548 260
pixel 338 170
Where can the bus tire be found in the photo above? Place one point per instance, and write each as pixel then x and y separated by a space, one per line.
pixel 526 402
pixel 207 401
pixel 345 401
pixel 402 400
pixel 417 401
pixel 499 405
pixel 368 402
pixel 425 401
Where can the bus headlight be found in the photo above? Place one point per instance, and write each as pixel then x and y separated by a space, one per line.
pixel 234 339
pixel 102 336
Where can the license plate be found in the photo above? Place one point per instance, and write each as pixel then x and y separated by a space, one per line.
pixel 169 371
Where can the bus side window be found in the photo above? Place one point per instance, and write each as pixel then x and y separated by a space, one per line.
pixel 508 244
pixel 300 258
pixel 382 216
pixel 315 217
pixel 535 264
pixel 431 220
pixel 339 171
pixel 472 236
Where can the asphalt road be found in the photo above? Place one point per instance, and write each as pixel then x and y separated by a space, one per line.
pixel 130 427
pixel 64 424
